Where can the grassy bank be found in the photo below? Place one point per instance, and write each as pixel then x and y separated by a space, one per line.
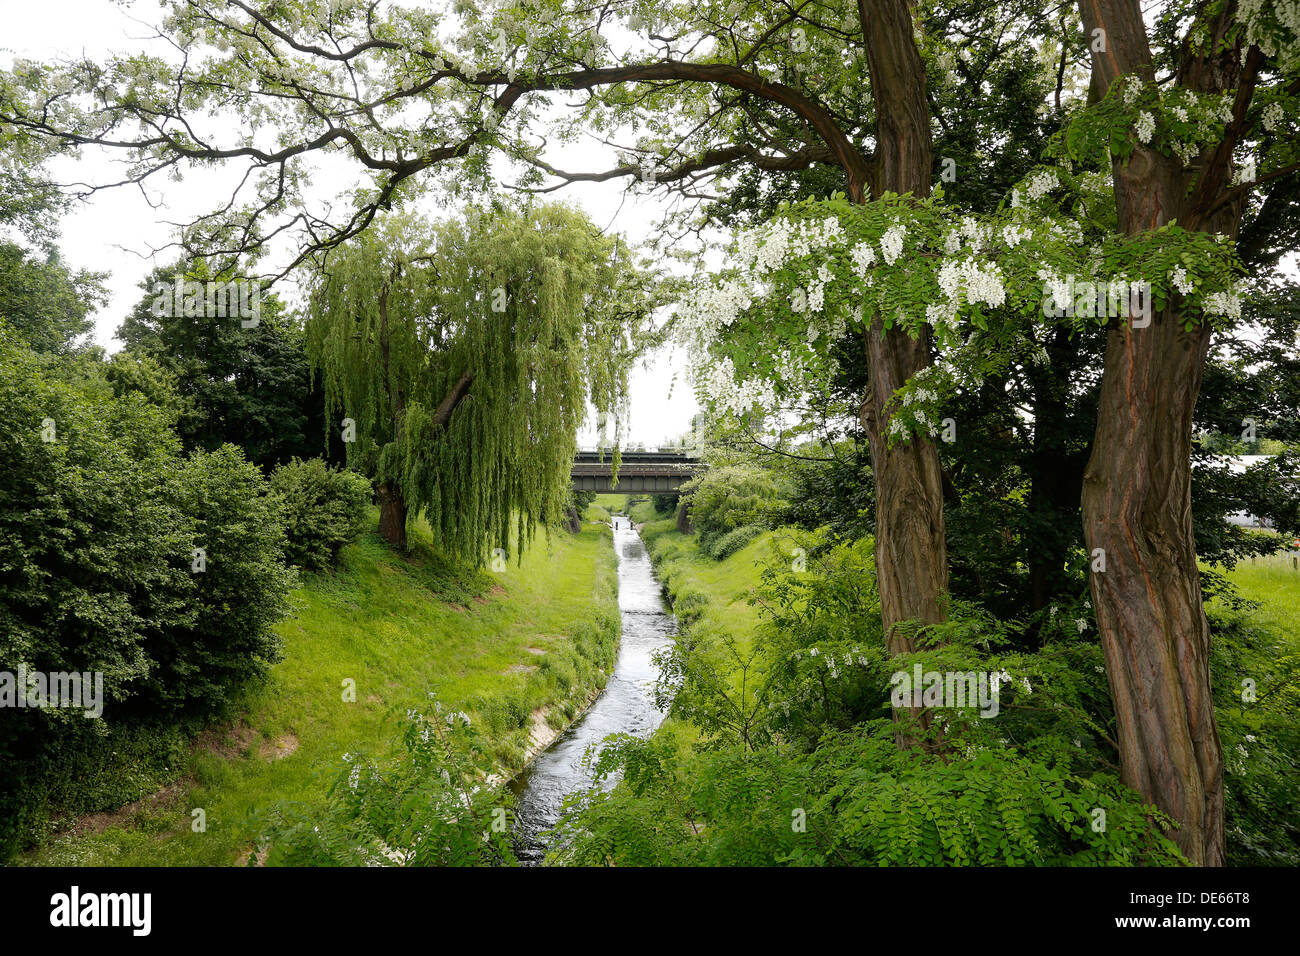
pixel 527 644
pixel 710 599
pixel 1274 582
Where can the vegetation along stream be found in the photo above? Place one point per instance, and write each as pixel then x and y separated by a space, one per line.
pixel 625 706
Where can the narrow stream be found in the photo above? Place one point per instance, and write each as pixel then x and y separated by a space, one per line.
pixel 626 705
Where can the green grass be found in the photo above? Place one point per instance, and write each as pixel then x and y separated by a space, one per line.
pixel 1274 582
pixel 614 504
pixel 713 593
pixel 402 629
pixel 710 598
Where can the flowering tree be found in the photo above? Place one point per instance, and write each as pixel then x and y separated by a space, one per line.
pixel 1178 165
pixel 405 91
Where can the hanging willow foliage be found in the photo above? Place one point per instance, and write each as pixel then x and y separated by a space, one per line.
pixel 466 352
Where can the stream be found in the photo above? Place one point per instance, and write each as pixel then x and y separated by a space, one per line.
pixel 626 705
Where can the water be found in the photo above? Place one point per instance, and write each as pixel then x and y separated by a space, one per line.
pixel 626 705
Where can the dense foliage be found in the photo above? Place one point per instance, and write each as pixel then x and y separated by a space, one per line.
pixel 119 555
pixel 323 508
pixel 465 354
pixel 428 808
pixel 731 503
pixel 796 761
pixel 43 300
pixel 243 382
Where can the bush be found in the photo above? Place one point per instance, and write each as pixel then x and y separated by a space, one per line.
pixel 665 504
pixel 429 808
pixel 727 498
pixel 719 549
pixel 1261 738
pixel 120 557
pixel 323 509
pixel 864 803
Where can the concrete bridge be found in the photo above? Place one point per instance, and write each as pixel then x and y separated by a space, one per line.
pixel 639 472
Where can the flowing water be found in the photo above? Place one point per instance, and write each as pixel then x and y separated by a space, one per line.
pixel 626 705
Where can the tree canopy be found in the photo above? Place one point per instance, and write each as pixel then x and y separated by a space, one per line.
pixel 459 358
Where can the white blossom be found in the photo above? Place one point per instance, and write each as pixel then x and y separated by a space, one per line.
pixel 1224 303
pixel 1041 183
pixel 1273 116
pixel 863 257
pixel 1145 127
pixel 1014 235
pixel 891 243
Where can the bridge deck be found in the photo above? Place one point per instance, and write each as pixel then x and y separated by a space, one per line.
pixel 638 472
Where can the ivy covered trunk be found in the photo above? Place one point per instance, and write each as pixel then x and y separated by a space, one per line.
pixel 911 552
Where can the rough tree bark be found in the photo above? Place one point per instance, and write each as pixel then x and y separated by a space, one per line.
pixel 392 514
pixel 684 517
pixel 1137 486
pixel 911 551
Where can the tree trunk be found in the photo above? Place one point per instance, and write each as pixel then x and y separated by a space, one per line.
pixel 684 517
pixel 1137 507
pixel 911 552
pixel 1137 487
pixel 392 515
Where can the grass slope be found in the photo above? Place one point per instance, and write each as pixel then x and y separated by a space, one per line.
pixel 498 645
pixel 1273 581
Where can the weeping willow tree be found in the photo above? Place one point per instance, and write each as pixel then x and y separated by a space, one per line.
pixel 465 353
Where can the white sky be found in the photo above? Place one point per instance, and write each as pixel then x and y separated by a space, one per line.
pixel 115 231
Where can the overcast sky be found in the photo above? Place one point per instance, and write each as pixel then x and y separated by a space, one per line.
pixel 116 230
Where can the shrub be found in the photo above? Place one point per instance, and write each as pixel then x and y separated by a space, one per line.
pixel 863 803
pixel 1261 737
pixel 429 808
pixel 664 504
pixel 119 556
pixel 719 549
pixel 323 509
pixel 727 498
